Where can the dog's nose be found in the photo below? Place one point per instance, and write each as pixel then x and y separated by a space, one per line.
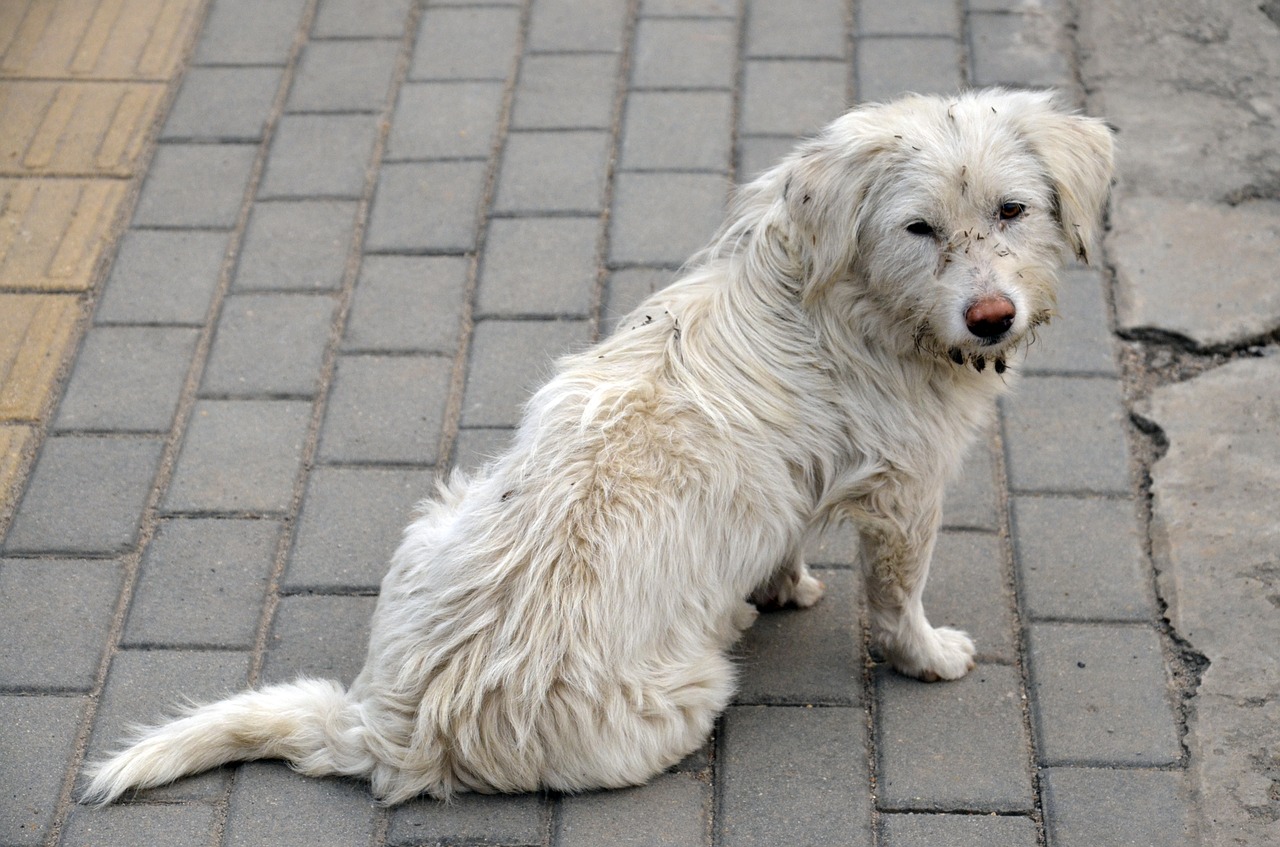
pixel 990 317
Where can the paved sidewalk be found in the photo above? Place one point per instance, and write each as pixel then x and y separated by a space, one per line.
pixel 366 228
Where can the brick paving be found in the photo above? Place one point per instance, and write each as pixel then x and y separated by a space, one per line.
pixel 366 229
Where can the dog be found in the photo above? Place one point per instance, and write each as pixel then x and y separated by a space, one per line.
pixel 562 620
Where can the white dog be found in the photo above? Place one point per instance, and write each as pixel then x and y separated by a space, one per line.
pixel 561 620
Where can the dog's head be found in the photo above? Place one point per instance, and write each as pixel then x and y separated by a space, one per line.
pixel 949 216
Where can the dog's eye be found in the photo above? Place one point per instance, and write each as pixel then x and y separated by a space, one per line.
pixel 1011 210
pixel 919 228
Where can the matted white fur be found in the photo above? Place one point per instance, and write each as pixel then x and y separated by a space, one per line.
pixel 561 619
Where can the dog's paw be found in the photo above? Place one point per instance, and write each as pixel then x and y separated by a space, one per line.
pixel 798 589
pixel 937 654
pixel 807 590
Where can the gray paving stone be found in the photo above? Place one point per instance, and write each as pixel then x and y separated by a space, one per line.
pixel 913 830
pixel 837 547
pixel 1078 340
pixel 967 590
pixel 889 67
pixel 628 288
pixel 222 104
pixel 127 379
pixel 510 360
pixel 539 266
pixel 689 8
pixel 445 120
pixel 202 584
pixel 296 245
pixel 35 748
pixel 321 812
pixel 477 446
pixel 319 156
pixel 356 18
pixel 756 154
pixel 776 29
pixel 672 809
pixel 195 185
pixel 57 616
pixel 662 218
pixel 1100 695
pixel 554 171
pixel 671 53
pixel 85 495
pixel 1088 807
pixel 908 17
pixel 794 776
pixel 345 75
pixel 792 97
pixel 188 825
pixel 462 43
pixel 1066 434
pixel 410 304
pixel 1080 559
pixel 426 206
pixel 239 456
pixel 386 409
pixel 351 522
pixel 323 636
pixel 954 746
pixel 1016 49
pixel 515 819
pixel 162 277
pixel 678 130
pixel 569 25
pixel 269 344
pixel 806 656
pixel 971 499
pixel 249 32
pixel 565 92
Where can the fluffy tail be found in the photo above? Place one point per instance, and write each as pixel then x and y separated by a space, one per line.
pixel 310 723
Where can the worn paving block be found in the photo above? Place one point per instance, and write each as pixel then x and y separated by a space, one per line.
pixel 538 266
pixel 445 120
pixel 1066 434
pixel 759 153
pixel 249 32
pixel 672 53
pixel 689 8
pixel 553 171
pixel 319 156
pixel 628 288
pixel 127 379
pixel 477 446
pixel 565 92
pixel 678 130
pixel 1100 695
pixel 195 185
pixel 296 245
pixel 355 18
pixel 510 360
pixel 793 775
pixel 76 128
pixel 1089 807
pixel 775 29
pixel 323 636
pixel 1017 49
pixel 954 746
pixel 57 614
pixel 345 75
pixel 1078 340
pixel 239 456
pixel 672 809
pixel 17 443
pixel 222 104
pixel 202 584
pixel 409 304
pixel 966 590
pixel 971 499
pixel 386 409
pixel 908 17
pixel 75 219
pixel 662 218
pixel 35 748
pixel 162 277
pixel 351 522
pixel 321 812
pixel 914 830
pixel 187 825
pixel 889 67
pixel 37 333
pixel 86 495
pixel 569 25
pixel 426 207
pixel 462 43
pixel 837 547
pixel 806 656
pixel 792 97
pixel 470 818
pixel 269 344
pixel 1080 558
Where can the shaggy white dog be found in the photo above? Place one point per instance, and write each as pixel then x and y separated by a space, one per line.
pixel 561 620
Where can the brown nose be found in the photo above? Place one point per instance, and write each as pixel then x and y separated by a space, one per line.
pixel 990 317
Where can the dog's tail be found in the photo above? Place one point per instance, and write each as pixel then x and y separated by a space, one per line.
pixel 310 723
